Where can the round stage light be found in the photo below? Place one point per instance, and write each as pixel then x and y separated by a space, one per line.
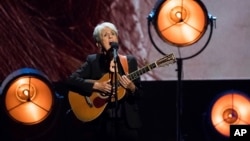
pixel 181 22
pixel 28 96
pixel 230 109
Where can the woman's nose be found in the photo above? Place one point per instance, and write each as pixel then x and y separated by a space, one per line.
pixel 110 36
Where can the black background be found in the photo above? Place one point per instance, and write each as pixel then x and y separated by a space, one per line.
pixel 158 112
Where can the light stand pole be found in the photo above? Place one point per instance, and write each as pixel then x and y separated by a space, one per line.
pixel 179 100
pixel 180 23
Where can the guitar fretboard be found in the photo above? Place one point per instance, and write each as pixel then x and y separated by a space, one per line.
pixel 136 74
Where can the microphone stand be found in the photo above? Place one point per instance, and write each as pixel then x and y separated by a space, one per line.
pixel 114 46
pixel 115 55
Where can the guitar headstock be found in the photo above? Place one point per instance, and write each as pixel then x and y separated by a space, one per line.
pixel 166 60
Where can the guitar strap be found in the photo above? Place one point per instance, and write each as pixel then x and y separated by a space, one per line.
pixel 124 62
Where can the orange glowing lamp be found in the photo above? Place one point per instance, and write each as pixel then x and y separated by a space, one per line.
pixel 230 109
pixel 28 96
pixel 181 22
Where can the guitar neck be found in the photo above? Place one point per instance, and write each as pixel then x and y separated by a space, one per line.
pixel 136 74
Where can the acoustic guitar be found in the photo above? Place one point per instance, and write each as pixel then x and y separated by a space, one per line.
pixel 88 108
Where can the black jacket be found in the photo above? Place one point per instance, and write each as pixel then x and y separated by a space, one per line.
pixel 95 66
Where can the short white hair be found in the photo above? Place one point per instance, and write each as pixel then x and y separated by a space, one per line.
pixel 100 27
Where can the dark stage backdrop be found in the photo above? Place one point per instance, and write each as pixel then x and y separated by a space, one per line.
pixel 55 37
pixel 157 108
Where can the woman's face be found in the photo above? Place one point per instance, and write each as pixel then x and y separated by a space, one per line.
pixel 107 36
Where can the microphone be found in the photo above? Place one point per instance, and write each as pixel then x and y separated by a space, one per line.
pixel 114 47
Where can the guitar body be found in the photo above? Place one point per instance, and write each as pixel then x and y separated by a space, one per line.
pixel 89 108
